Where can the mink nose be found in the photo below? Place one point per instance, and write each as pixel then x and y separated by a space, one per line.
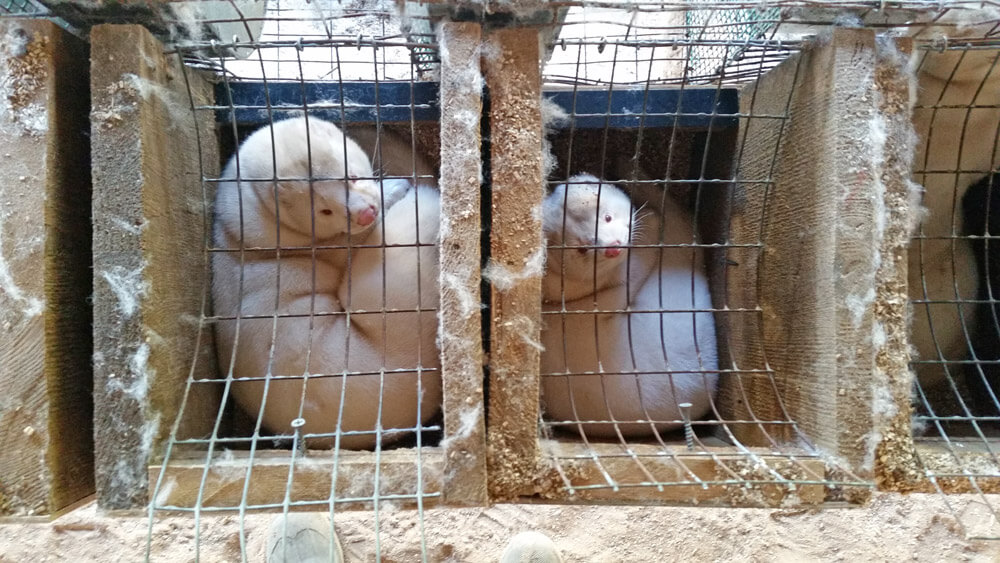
pixel 614 250
pixel 367 216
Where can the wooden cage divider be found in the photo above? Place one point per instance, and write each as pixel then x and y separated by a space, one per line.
pixel 460 321
pixel 830 276
pixel 516 259
pixel 149 261
pixel 46 429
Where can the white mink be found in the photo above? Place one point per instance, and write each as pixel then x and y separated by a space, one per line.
pixel 622 344
pixel 951 139
pixel 396 159
pixel 311 281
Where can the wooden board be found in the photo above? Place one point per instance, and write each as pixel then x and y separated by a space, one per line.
pixel 460 327
pixel 150 268
pixel 958 466
pixel 650 474
pixel 517 255
pixel 401 473
pixel 46 445
pixel 822 189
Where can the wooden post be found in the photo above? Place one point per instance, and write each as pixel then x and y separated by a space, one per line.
pixel 517 259
pixel 824 193
pixel 460 329
pixel 46 446
pixel 150 265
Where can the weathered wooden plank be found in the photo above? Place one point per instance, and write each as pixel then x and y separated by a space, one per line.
pixel 150 267
pixel 651 474
pixel 516 260
pixel 460 320
pixel 824 193
pixel 46 457
pixel 222 485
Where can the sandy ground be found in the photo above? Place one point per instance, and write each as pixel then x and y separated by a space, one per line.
pixel 890 528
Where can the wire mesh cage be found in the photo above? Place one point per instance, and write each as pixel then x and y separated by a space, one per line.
pixel 725 424
pixel 656 386
pixel 313 74
pixel 698 223
pixel 727 27
pixel 954 332
pixel 222 398
pixel 596 378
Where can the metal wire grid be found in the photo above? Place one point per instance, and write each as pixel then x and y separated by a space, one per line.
pixel 952 258
pixel 268 45
pixel 676 43
pixel 320 58
pixel 680 168
pixel 730 26
pixel 600 45
pixel 772 52
pixel 21 8
pixel 32 9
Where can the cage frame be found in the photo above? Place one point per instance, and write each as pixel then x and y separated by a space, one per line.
pixel 876 445
pixel 456 468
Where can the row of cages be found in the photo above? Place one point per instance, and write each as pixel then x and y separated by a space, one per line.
pixel 346 255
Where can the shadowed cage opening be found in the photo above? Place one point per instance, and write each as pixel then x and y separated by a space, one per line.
pixel 952 260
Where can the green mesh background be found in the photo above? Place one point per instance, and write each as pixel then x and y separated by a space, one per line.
pixel 729 25
pixel 21 8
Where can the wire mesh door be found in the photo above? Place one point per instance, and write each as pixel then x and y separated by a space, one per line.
pixel 672 365
pixel 957 119
pixel 314 386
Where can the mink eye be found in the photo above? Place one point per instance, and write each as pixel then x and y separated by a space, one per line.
pixel 326 211
pixel 607 218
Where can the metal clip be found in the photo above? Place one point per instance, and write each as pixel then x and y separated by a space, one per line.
pixel 298 444
pixel 685 409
